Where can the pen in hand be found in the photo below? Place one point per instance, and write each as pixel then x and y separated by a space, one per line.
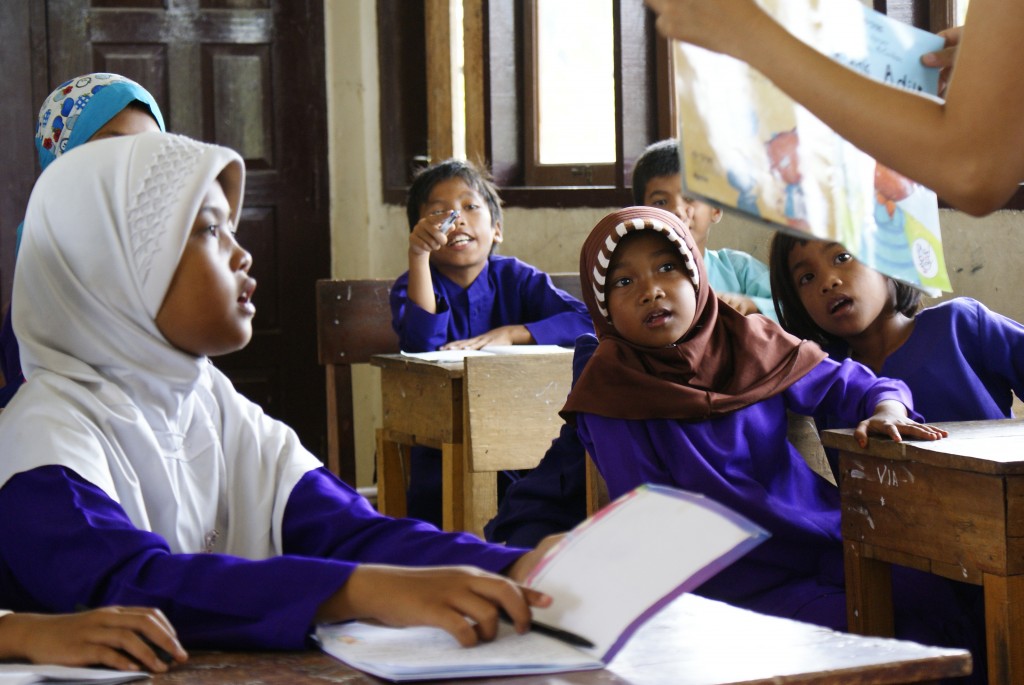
pixel 447 224
pixel 557 633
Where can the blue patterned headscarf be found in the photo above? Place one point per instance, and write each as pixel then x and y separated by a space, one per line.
pixel 78 108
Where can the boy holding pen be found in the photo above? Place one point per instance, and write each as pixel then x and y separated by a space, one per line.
pixel 458 294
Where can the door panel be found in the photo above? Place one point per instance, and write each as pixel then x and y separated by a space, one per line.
pixel 248 74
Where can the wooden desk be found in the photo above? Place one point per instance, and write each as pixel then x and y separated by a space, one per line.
pixel 485 413
pixel 693 641
pixel 953 507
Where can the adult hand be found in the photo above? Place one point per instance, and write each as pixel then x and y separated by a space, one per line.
pixel 945 58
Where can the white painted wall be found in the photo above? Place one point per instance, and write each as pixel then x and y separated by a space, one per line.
pixel 369 238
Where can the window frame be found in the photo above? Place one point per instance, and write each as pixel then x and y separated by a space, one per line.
pixel 498 94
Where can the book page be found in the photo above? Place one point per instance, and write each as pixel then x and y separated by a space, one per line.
pixel 746 145
pixel 453 356
pixel 616 569
pixel 606 577
pixel 421 653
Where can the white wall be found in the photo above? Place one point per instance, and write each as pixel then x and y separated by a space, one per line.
pixel 369 238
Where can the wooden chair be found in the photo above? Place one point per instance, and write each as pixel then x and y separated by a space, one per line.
pixel 353 324
pixel 353 321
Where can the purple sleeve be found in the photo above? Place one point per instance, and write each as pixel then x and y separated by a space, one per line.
pixel 847 390
pixel 213 600
pixel 554 316
pixel 326 518
pixel 417 329
pixel 1000 349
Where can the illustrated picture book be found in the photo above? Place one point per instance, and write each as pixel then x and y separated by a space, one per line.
pixel 744 144
pixel 606 577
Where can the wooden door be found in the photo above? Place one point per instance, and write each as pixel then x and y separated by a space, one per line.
pixel 248 74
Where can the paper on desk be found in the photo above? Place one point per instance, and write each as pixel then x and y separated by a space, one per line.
pixel 24 674
pixel 447 356
pixel 607 577
pixel 429 653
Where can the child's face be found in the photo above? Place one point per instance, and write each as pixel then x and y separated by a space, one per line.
pixel 474 234
pixel 208 308
pixel 841 295
pixel 651 300
pixel 128 122
pixel 666 192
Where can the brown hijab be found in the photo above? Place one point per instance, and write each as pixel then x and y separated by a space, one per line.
pixel 724 362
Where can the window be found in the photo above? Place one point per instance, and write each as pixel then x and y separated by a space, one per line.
pixel 513 99
pixel 497 93
pixel 504 41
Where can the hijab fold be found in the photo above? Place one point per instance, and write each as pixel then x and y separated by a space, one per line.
pixel 724 362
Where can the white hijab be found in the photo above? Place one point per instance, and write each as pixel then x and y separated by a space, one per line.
pixel 160 431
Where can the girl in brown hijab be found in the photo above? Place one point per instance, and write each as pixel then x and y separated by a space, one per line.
pixel 684 391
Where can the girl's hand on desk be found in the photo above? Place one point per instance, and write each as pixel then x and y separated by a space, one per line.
pixel 461 600
pixel 516 334
pixel 890 418
pixel 115 637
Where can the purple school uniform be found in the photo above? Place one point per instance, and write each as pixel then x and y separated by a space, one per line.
pixel 744 461
pixel 65 543
pixel 508 291
pixel 963 362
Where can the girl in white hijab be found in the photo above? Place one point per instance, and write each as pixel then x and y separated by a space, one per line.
pixel 134 473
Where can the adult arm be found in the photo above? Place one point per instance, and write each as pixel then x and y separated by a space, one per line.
pixel 967 148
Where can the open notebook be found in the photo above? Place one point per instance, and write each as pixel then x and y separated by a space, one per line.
pixel 607 577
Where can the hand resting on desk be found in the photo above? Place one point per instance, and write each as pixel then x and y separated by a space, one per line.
pixel 463 601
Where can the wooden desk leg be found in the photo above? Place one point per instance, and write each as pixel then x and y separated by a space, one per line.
pixel 1004 628
pixel 453 489
pixel 390 478
pixel 868 592
pixel 481 491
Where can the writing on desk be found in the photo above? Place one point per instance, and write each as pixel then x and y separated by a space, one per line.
pixel 887 476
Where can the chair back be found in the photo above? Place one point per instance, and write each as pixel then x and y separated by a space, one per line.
pixel 353 320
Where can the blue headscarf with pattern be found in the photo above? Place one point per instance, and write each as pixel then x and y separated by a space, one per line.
pixel 78 108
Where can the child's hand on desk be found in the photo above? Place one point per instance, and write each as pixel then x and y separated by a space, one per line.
pixel 503 335
pixel 461 600
pixel 890 418
pixel 115 637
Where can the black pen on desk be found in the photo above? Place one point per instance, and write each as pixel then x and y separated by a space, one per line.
pixel 160 652
pixel 557 633
pixel 447 224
